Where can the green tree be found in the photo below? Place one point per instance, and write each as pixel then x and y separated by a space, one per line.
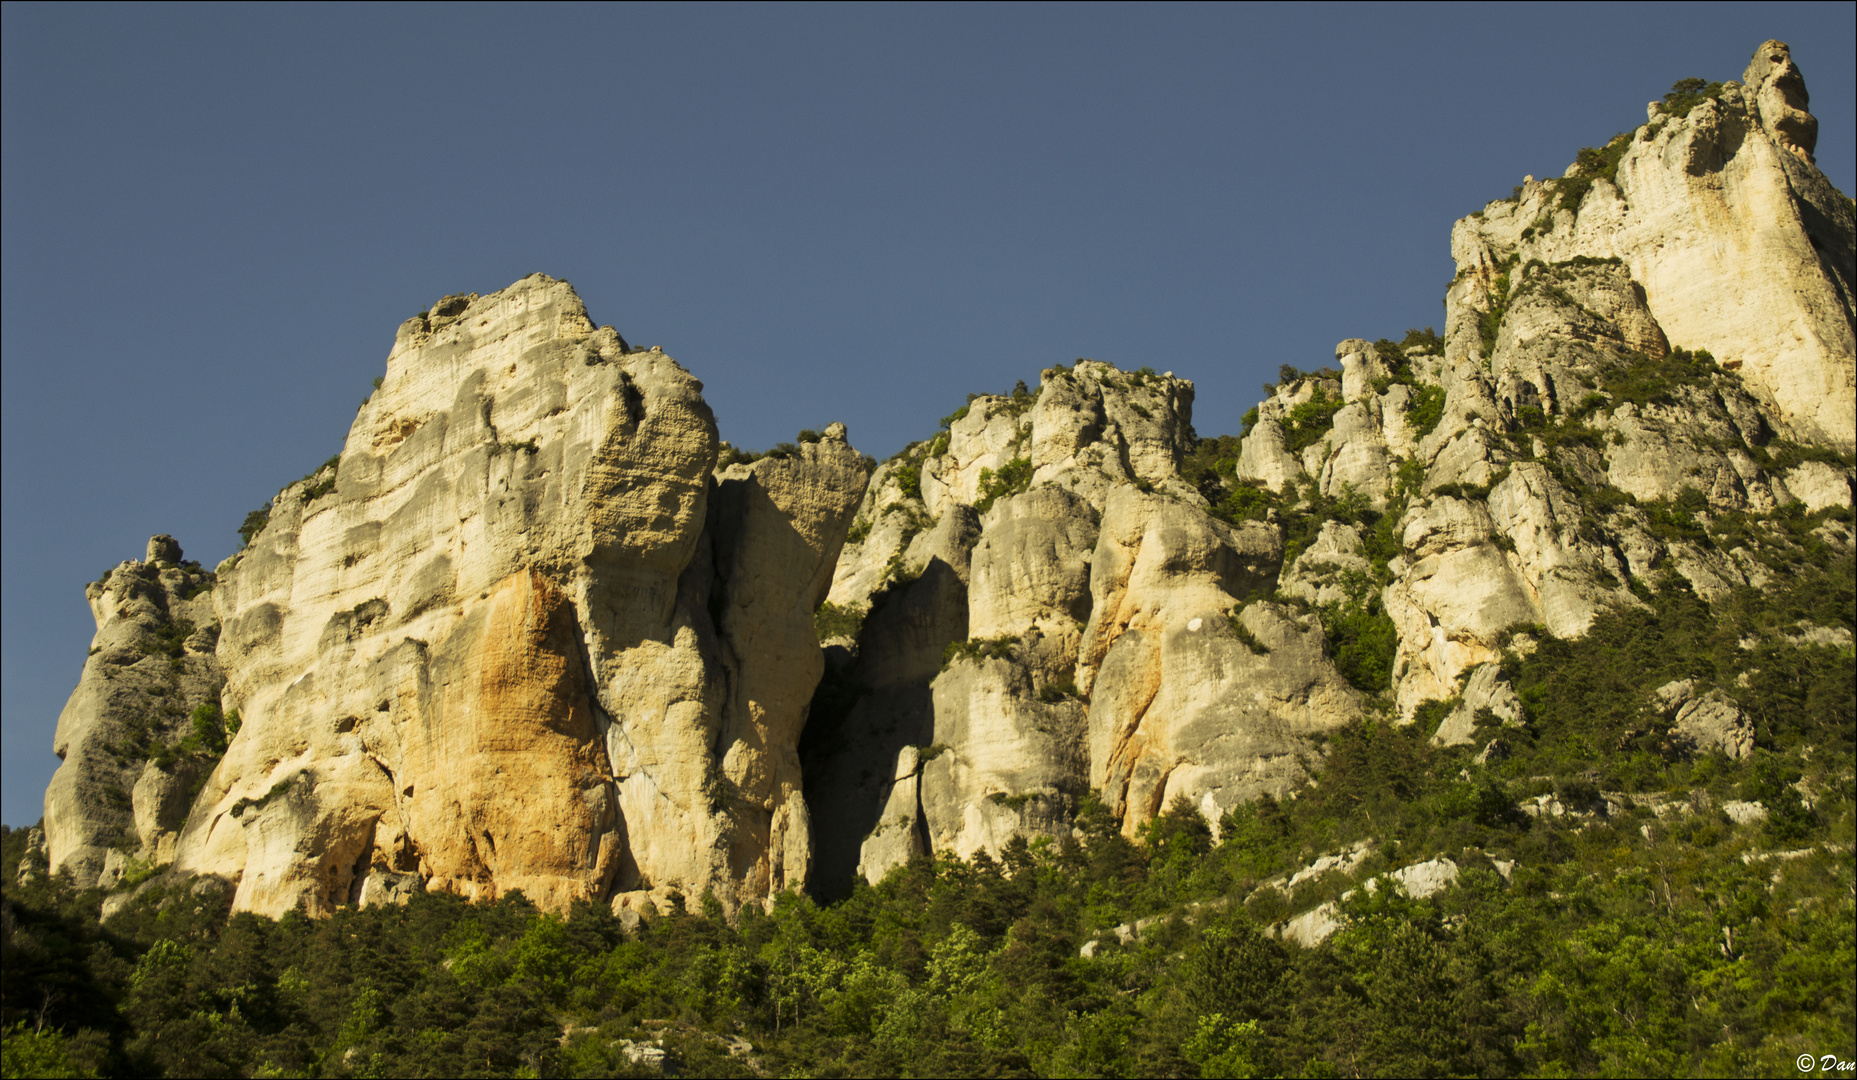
pixel 27 1052
pixel 1222 1048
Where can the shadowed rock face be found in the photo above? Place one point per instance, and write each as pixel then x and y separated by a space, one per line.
pixel 123 790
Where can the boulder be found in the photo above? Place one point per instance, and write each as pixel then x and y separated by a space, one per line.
pixel 1708 722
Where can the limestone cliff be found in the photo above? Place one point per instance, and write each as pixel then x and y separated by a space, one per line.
pixel 533 630
pixel 518 636
pixel 1715 212
pixel 1064 592
pixel 132 754
pixel 1048 610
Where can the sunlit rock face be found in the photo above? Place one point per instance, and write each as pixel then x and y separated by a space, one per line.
pixel 1738 244
pixel 527 639
pixel 1126 642
pixel 528 634
pixel 1049 613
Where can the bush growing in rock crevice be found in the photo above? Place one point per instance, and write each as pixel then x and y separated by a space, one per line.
pixel 1013 478
pixel 1308 422
pixel 1489 323
pixel 993 648
pixel 1589 166
pixel 1685 94
pixel 833 621
pixel 1424 408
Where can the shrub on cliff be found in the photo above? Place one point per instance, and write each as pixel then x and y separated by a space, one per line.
pixel 1013 477
pixel 1308 422
pixel 1685 94
pixel 1425 408
pixel 1590 165
pixel 832 621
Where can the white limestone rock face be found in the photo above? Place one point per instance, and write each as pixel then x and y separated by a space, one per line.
pixel 1819 485
pixel 985 532
pixel 1180 704
pixel 1263 458
pixel 1470 459
pixel 1559 418
pixel 1358 463
pixel 1536 501
pixel 1010 762
pixel 1740 244
pixel 1485 688
pixel 1451 605
pixel 121 791
pixel 1360 366
pixel 529 634
pixel 1561 567
pixel 1030 566
pixel 1573 439
pixel 888 518
pixel 1564 325
pixel 528 641
pixel 986 439
pixel 1008 714
pixel 1658 450
pixel 1320 574
pixel 972 727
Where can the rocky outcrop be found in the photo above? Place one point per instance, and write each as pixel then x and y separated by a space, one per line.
pixel 1485 697
pixel 1181 705
pixel 1570 419
pixel 1706 721
pixel 1417 881
pixel 1739 244
pixel 131 756
pixel 1050 610
pixel 519 637
pixel 1008 716
pixel 1519 477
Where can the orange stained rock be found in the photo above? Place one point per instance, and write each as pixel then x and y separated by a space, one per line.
pixel 517 779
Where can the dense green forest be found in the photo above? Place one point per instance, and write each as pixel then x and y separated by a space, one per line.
pixel 1640 932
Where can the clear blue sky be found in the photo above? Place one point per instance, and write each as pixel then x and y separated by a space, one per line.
pixel 214 218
